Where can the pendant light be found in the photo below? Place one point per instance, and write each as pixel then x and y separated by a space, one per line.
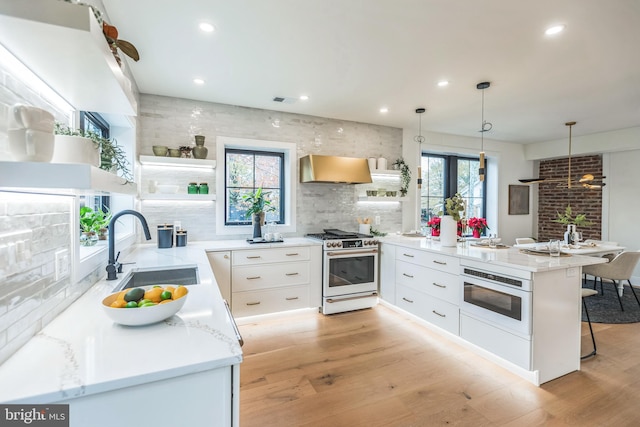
pixel 485 127
pixel 588 180
pixel 419 139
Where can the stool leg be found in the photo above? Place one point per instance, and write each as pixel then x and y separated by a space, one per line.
pixel 633 290
pixel 593 339
pixel 615 289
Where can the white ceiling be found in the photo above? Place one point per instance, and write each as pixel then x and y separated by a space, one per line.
pixel 354 56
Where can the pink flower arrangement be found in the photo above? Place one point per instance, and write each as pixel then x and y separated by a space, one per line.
pixel 478 225
pixel 434 223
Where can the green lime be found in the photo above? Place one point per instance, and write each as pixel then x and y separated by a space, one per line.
pixel 143 302
pixel 148 304
pixel 134 294
pixel 157 286
pixel 131 304
pixel 165 295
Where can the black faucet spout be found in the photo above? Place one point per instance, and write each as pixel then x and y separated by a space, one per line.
pixel 112 266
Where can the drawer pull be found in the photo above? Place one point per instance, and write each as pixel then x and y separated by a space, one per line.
pixel 439 285
pixel 407 300
pixel 293 254
pixel 440 262
pixel 254 257
pixel 253 277
pixel 438 314
pixel 291 298
pixel 407 275
pixel 253 303
pixel 408 255
pixel 226 257
pixel 291 274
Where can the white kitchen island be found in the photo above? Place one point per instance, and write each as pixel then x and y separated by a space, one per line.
pixel 182 371
pixel 423 278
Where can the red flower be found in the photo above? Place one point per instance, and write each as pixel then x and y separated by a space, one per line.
pixel 479 224
pixel 434 223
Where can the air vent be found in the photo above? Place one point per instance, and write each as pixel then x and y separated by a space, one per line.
pixel 284 100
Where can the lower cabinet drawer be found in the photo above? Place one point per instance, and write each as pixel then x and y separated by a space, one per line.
pixel 434 310
pixel 269 301
pixel 249 277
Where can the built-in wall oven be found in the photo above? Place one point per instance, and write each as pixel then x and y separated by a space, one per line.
pixel 499 300
pixel 349 271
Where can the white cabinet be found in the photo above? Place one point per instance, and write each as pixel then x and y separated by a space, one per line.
pixel 196 400
pixel 221 265
pixel 428 286
pixel 269 280
pixel 388 273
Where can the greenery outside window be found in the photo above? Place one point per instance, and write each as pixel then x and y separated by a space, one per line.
pixel 245 172
pixel 445 175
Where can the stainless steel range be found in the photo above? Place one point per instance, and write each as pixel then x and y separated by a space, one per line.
pixel 349 270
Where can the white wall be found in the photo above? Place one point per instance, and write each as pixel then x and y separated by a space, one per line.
pixel 506 164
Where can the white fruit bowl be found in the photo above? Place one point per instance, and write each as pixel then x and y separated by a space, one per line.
pixel 142 315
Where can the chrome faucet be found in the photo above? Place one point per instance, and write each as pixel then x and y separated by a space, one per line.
pixel 114 267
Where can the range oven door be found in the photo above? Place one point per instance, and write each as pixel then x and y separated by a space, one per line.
pixel 503 306
pixel 350 271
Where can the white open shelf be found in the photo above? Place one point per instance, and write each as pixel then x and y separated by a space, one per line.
pixel 161 196
pixel 177 161
pixel 63 44
pixel 62 176
pixel 385 173
pixel 382 199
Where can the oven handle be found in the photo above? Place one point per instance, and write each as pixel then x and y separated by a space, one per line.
pixel 331 300
pixel 370 251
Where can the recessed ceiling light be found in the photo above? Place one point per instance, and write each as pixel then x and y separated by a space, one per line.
pixel 384 110
pixel 198 81
pixel 554 30
pixel 443 83
pixel 304 97
pixel 206 27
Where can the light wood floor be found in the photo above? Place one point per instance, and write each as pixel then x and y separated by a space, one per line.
pixel 378 368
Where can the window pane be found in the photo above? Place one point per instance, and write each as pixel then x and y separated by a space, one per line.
pixel 432 192
pixel 246 171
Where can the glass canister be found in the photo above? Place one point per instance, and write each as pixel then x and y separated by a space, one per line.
pixel 192 188
pixel 204 188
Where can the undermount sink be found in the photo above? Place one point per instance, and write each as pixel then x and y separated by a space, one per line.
pixel 170 276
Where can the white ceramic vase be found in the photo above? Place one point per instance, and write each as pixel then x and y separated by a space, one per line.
pixel 448 231
pixel 75 149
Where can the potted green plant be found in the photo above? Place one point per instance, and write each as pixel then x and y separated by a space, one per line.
pixel 571 236
pixel 112 155
pixel 93 224
pixel 258 206
pixel 405 175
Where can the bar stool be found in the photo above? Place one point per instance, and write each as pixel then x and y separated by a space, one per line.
pixel 588 293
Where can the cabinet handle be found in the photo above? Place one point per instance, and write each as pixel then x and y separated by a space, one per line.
pixel 291 298
pixel 293 254
pixel 254 257
pixel 438 285
pixel 436 313
pixel 407 275
pixel 253 278
pixel 440 262
pixel 291 274
pixel 408 255
pixel 253 303
pixel 407 300
pixel 226 257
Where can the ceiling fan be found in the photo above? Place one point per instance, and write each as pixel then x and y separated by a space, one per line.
pixel 587 180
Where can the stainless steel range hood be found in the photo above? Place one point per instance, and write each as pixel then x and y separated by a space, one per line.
pixel 333 169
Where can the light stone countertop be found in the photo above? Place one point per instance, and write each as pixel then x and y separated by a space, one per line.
pixel 82 352
pixel 506 257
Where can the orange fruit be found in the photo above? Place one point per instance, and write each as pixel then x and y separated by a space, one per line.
pixel 153 295
pixel 121 295
pixel 118 303
pixel 165 301
pixel 170 288
pixel 179 292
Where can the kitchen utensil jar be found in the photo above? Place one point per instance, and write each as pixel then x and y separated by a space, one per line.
pixel 165 236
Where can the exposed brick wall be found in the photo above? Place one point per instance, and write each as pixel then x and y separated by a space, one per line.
pixel 553 198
